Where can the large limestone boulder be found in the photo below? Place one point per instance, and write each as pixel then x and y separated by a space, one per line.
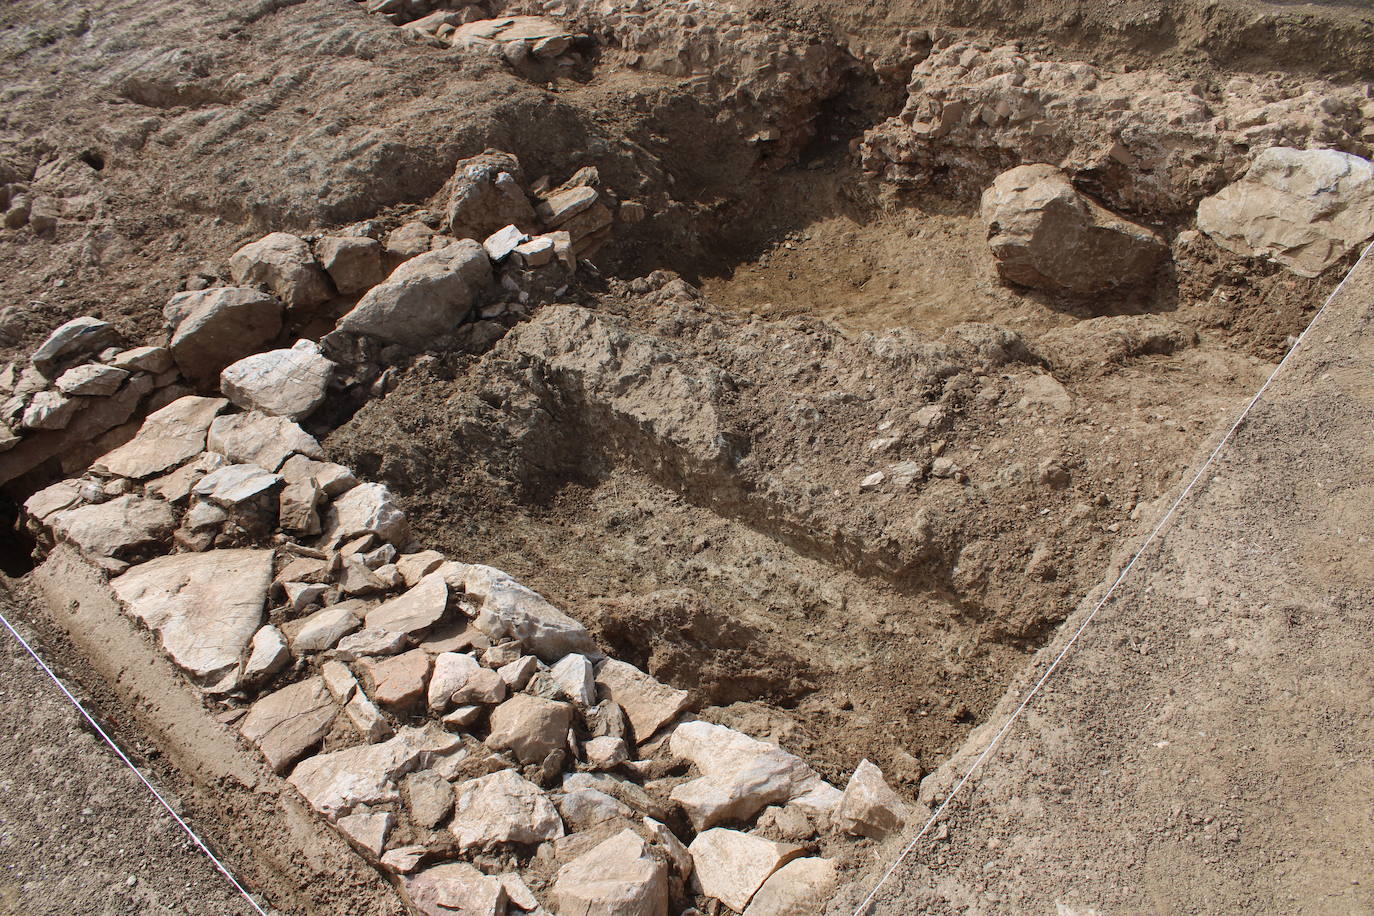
pixel 741 775
pixel 205 607
pixel 423 299
pixel 530 727
pixel 619 877
pixel 283 264
pixel 354 263
pixel 484 194
pixel 503 807
pixel 337 782
pixel 455 889
pixel 256 438
pixel 212 328
pixel 118 528
pixel 287 383
pixel 167 437
pixel 1045 234
pixel 731 866
pixel 1303 208
pixel 418 609
pixel 287 723
pixel 648 703
pixel 510 609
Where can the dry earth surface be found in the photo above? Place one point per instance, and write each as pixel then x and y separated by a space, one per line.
pixel 779 428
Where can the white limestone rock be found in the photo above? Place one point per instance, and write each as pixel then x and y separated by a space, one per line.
pixel 423 299
pixel 417 609
pixel 620 876
pixel 576 679
pixel 323 629
pixel 287 723
pixel 501 808
pixel 365 508
pixel 455 889
pixel 91 380
pixel 354 263
pixel 283 264
pixel 50 410
pixel 731 866
pixel 802 887
pixel 869 807
pixel 167 438
pixel 118 528
pixel 648 703
pixel 1303 208
pixel 337 782
pixel 212 328
pixel 267 656
pixel 368 830
pixel 530 727
pixel 205 607
pixel 510 609
pixel 75 338
pixel 289 383
pixel 256 438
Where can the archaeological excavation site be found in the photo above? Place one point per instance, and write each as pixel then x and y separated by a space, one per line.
pixel 686 457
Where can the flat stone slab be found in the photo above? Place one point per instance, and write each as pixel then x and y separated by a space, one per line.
pixel 168 437
pixel 205 607
pixel 287 723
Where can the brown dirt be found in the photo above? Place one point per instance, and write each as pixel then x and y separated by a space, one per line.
pixel 843 622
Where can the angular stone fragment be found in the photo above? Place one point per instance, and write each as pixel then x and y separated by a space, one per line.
pixel 399 682
pixel 518 891
pixel 869 807
pixel 256 438
pixel 451 671
pixel 167 438
pixel 429 797
pixel 423 299
pixel 267 656
pixel 503 807
pixel 339 680
pixel 535 252
pixel 367 718
pixel 354 263
pixel 605 752
pixel 418 609
pixel 517 674
pixel 205 607
pixel 333 479
pixel 740 775
pixel 212 328
pixel 118 528
pixel 1303 208
pixel 77 337
pixel 62 495
pixel 366 508
pixel 731 866
pixel 50 410
pixel 648 703
pixel 323 629
pixel 483 688
pixel 144 359
pixel 509 608
pixel 668 841
pixel 283 263
pixel 287 383
pixel 298 507
pixel 237 484
pixel 561 206
pixel 455 889
pixel 484 194
pixel 91 380
pixel 799 888
pixel 371 641
pixel 403 859
pixel 368 830
pixel 501 243
pixel 619 876
pixel 287 723
pixel 529 727
pixel 415 566
pixel 576 679
pixel 300 595
pixel 584 808
pixel 337 782
pixel 1045 234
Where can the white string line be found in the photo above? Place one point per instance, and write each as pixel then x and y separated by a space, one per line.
pixel 129 763
pixel 1011 720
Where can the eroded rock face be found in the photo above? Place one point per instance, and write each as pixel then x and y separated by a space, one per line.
pixel 1045 234
pixel 619 876
pixel 205 607
pixel 423 299
pixel 212 328
pixel 1303 208
pixel 283 264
